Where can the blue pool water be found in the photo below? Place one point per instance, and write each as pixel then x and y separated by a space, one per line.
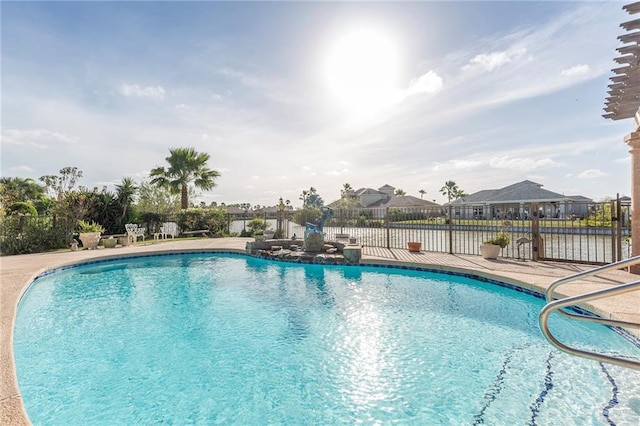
pixel 230 339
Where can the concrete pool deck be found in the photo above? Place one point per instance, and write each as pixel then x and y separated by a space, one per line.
pixel 17 272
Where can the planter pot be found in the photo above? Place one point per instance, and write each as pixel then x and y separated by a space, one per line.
pixel 124 241
pixel 90 240
pixel 414 247
pixel 109 242
pixel 490 251
pixel 269 234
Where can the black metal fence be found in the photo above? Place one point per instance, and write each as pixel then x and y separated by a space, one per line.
pixel 594 233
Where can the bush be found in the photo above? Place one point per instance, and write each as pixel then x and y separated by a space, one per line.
pixel 26 234
pixel 256 225
pixel 501 239
pixel 195 219
pixel 22 208
pixel 306 214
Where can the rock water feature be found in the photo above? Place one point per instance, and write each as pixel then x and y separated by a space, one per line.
pixel 313 249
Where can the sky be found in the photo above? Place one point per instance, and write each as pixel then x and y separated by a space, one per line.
pixel 285 96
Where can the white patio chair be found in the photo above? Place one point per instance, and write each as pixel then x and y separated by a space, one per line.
pixel 134 231
pixel 169 228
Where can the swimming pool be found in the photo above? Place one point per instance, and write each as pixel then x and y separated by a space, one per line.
pixel 222 338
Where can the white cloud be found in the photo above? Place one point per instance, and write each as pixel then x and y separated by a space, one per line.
pixel 625 160
pixel 457 165
pixel 36 137
pixel 342 172
pixel 22 168
pixel 494 60
pixel 591 173
pixel 428 83
pixel 506 162
pixel 577 71
pixel 134 90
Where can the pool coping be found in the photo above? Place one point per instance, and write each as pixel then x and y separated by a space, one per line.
pixel 18 272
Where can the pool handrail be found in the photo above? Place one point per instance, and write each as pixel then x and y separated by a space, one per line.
pixel 557 305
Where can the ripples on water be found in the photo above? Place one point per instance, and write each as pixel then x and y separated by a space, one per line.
pixel 231 339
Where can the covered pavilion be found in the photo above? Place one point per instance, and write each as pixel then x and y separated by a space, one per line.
pixel 624 102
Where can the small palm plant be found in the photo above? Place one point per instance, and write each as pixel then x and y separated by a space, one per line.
pixel 501 239
pixel 92 226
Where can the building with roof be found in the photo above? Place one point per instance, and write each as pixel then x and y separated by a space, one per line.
pixel 513 202
pixel 381 197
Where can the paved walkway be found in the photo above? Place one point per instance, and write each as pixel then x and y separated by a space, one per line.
pixel 18 271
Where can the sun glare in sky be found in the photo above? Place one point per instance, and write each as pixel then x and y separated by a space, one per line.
pixel 361 71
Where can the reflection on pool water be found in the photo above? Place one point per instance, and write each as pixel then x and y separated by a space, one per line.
pixel 222 338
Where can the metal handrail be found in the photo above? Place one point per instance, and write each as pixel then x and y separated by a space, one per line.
pixel 558 305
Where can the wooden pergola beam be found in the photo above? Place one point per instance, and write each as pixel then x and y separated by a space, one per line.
pixel 630 38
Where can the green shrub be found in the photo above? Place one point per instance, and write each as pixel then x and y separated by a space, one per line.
pixel 307 214
pixel 22 208
pixel 85 226
pixel 501 239
pixel 195 219
pixel 27 234
pixel 257 224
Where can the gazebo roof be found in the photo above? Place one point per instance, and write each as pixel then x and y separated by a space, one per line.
pixel 624 91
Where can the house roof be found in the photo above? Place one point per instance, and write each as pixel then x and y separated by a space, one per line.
pixel 408 201
pixel 234 210
pixel 369 191
pixel 518 192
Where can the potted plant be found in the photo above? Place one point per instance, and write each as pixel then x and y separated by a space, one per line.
pixel 269 233
pixel 490 249
pixel 90 233
pixel 414 246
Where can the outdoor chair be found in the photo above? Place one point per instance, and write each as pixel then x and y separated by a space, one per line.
pixel 169 228
pixel 134 231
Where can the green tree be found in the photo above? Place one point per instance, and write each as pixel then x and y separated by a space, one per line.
pixel 186 166
pixel 308 213
pixel 65 182
pixel 347 191
pixel 451 191
pixel 125 193
pixel 311 198
pixel 15 189
pixel 155 199
pixel 104 209
pixel 69 204
pixel 257 224
pixel 400 192
pixel 22 208
pixel 422 192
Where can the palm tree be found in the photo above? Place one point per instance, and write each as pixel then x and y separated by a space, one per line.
pixel 185 166
pixel 347 191
pixel 14 189
pixel 400 192
pixel 124 194
pixel 451 190
pixel 422 192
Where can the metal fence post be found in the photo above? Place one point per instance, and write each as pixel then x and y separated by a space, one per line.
pixel 450 230
pixel 535 232
pixel 388 227
pixel 618 223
